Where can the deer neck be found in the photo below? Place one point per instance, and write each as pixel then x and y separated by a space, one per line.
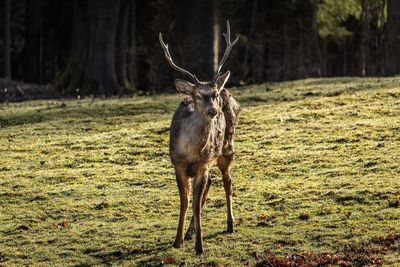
pixel 206 132
pixel 204 125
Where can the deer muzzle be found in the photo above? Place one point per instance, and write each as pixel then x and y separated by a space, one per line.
pixel 212 112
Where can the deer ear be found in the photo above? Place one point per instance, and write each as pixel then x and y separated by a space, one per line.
pixel 222 79
pixel 184 87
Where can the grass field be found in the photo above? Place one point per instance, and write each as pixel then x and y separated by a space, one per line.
pixel 87 183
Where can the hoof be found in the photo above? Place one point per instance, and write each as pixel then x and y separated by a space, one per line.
pixel 230 229
pixel 188 237
pixel 199 251
pixel 177 244
pixel 199 247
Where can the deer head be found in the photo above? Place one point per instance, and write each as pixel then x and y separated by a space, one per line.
pixel 205 95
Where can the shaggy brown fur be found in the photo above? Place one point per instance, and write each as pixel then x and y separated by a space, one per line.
pixel 202 131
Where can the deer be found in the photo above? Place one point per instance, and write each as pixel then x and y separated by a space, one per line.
pixel 201 132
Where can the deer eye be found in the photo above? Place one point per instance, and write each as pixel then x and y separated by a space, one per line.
pixel 207 98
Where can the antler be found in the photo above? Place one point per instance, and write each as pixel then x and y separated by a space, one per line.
pixel 228 48
pixel 171 62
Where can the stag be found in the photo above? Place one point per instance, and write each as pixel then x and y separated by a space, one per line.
pixel 202 131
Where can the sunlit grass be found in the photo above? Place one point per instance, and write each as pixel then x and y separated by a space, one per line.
pixel 86 183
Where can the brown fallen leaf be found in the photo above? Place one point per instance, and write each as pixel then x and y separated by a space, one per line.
pixel 343 263
pixel 168 260
pixel 64 224
pixel 347 214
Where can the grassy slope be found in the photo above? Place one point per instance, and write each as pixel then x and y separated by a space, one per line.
pixel 89 183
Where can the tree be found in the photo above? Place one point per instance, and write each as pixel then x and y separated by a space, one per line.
pixel 111 47
pixel 31 52
pixel 364 36
pixel 7 39
pixel 393 37
pixel 315 49
pixel 257 45
pixel 122 43
pixel 199 45
pixel 132 53
pixel 332 15
pixel 91 65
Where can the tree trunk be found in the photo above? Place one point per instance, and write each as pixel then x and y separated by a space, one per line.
pixel 91 66
pixel 122 46
pixel 7 39
pixel 131 59
pixel 31 64
pixel 301 67
pixel 344 47
pixel 286 75
pixel 393 37
pixel 216 43
pixel 199 52
pixel 315 49
pixel 324 59
pixel 258 62
pixel 256 45
pixel 364 37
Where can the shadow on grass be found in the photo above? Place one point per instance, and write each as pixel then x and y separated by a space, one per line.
pixel 216 234
pixel 247 97
pixel 79 112
pixel 155 260
pixel 111 257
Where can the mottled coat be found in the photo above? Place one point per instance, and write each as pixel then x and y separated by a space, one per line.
pixel 202 131
pixel 194 140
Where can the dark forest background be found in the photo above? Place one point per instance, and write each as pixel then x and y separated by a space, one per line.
pixel 93 47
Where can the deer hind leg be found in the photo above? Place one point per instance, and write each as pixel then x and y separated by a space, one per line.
pixel 183 186
pixel 224 164
pixel 191 229
pixel 199 186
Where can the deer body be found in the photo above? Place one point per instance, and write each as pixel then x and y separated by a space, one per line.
pixel 194 139
pixel 195 142
pixel 201 132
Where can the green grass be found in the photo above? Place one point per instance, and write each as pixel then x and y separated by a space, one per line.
pixel 87 183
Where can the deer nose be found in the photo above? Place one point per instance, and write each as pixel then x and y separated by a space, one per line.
pixel 212 112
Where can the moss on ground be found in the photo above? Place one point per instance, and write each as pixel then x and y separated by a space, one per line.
pixel 86 183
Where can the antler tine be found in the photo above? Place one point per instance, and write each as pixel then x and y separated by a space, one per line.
pixel 228 48
pixel 171 62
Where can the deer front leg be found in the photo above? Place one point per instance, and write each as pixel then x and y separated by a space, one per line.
pixel 183 186
pixel 228 194
pixel 199 185
pixel 224 163
pixel 191 229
